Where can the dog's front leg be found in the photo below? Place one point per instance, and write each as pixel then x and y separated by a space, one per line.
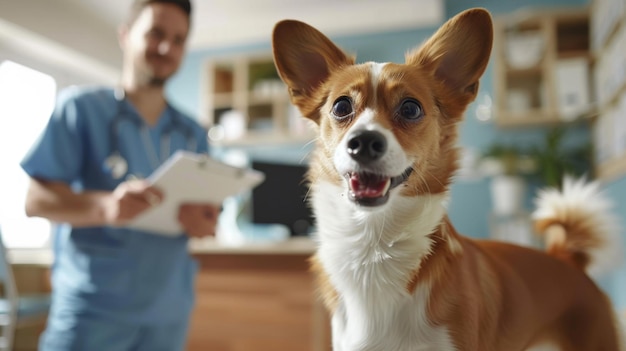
pixel 338 328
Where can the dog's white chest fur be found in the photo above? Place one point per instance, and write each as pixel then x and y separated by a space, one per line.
pixel 387 325
pixel 368 259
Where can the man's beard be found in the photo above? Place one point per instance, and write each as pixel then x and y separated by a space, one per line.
pixel 156 82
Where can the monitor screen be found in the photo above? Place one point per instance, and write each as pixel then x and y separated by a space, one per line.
pixel 281 198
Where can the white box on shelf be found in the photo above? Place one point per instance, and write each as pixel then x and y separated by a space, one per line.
pixel 524 49
pixel 572 80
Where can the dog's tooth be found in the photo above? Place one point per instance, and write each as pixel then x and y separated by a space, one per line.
pixel 387 186
pixel 354 183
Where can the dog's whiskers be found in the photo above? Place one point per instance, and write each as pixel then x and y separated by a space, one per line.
pixel 313 140
pixel 423 181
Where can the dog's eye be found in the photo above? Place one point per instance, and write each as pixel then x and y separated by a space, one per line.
pixel 410 110
pixel 342 108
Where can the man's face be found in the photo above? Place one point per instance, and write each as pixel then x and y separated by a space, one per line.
pixel 155 42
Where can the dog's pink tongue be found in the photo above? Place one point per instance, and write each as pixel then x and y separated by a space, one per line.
pixel 368 187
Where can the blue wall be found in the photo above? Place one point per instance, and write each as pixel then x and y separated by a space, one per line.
pixel 470 203
pixel 615 284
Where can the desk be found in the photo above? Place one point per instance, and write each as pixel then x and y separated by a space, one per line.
pixel 257 297
pixel 34 257
pixel 251 297
pixel 32 276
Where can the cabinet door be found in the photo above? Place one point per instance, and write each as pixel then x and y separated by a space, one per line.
pixel 257 302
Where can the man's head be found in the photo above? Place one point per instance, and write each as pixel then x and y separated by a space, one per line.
pixel 153 39
pixel 138 6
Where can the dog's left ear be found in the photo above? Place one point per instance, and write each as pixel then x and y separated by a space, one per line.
pixel 458 52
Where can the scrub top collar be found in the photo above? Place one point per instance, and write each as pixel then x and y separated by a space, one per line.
pixel 128 108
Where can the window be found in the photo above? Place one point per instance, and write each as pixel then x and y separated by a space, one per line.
pixel 26 101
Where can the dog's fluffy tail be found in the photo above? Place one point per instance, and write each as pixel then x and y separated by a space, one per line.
pixel 578 225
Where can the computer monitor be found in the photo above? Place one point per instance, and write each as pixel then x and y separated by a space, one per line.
pixel 281 198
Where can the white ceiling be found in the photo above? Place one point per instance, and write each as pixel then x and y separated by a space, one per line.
pixel 230 22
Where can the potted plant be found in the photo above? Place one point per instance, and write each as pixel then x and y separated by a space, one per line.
pixel 509 165
pixel 554 161
pixel 513 166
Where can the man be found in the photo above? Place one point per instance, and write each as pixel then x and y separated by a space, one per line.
pixel 115 288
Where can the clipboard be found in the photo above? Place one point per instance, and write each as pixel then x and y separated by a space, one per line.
pixel 188 177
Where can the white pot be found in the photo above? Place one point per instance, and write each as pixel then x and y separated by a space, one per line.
pixel 507 194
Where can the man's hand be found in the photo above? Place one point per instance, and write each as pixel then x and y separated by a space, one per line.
pixel 198 220
pixel 128 200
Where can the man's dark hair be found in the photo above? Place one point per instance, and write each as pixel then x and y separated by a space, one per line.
pixel 138 5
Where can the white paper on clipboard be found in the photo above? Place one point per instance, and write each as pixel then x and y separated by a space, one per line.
pixel 187 177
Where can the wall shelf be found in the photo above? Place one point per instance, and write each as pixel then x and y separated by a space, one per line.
pixel 532 51
pixel 250 86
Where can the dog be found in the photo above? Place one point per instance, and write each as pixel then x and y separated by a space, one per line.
pixel 391 268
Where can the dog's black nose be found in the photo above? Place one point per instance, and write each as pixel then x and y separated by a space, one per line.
pixel 367 146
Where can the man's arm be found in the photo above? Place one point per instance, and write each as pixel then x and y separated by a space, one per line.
pixel 57 202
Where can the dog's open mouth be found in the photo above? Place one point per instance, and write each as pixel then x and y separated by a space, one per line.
pixel 370 189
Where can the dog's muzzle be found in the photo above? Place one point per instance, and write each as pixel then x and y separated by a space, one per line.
pixel 368 188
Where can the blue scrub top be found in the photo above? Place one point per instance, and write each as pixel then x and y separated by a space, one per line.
pixel 127 274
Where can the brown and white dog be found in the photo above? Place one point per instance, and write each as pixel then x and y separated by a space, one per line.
pixel 393 271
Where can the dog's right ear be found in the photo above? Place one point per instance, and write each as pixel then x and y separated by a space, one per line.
pixel 305 58
pixel 458 54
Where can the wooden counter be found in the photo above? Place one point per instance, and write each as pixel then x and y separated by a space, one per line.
pixel 253 297
pixel 31 273
pixel 257 297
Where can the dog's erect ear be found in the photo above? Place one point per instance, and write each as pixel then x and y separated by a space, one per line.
pixel 458 52
pixel 304 58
